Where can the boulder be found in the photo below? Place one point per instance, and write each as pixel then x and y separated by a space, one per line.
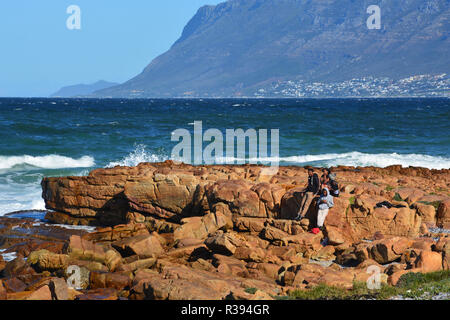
pixel 46 260
pixel 118 232
pixel 59 289
pixel 14 285
pixel 395 277
pixel 252 225
pixel 443 214
pixel 429 261
pixel 96 199
pixel 365 219
pixel 201 227
pixel 229 265
pixel 222 243
pixel 144 246
pixel 43 293
pixel 163 195
pixel 269 269
pixel 324 254
pixel 116 281
pixel 17 267
pixel 87 250
pixel 179 289
pixel 427 212
pixel 335 236
pixel 388 250
pixel 290 203
pixel 250 254
pixel 409 194
pixel 134 264
pixel 273 234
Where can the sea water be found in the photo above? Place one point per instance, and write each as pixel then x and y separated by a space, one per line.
pixel 60 137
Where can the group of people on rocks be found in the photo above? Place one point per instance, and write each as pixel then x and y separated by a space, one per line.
pixel 324 189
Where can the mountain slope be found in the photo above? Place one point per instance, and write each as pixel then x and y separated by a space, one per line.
pixel 237 46
pixel 82 89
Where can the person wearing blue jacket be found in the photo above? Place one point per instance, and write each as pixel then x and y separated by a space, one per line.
pixel 325 203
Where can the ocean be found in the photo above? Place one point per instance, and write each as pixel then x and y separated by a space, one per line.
pixel 59 137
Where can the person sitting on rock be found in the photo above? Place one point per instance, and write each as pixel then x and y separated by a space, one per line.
pixel 309 193
pixel 333 185
pixel 324 180
pixel 328 180
pixel 324 203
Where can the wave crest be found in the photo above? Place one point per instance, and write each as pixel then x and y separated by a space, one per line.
pixel 138 155
pixel 356 159
pixel 377 160
pixel 53 161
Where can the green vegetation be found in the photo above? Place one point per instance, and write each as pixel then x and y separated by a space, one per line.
pixel 397 197
pixel 251 290
pixel 389 188
pixel 435 204
pixel 410 285
pixel 352 200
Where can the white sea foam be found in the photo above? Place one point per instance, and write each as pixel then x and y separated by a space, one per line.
pixel 20 189
pixel 138 155
pixel 18 197
pixel 46 162
pixel 73 227
pixel 358 159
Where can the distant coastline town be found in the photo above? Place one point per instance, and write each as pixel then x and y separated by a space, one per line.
pixel 414 86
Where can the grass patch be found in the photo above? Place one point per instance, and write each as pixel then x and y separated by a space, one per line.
pixel 389 188
pixel 359 291
pixel 397 197
pixel 413 280
pixel 251 290
pixel 352 200
pixel 410 285
pixel 435 204
pixel 424 286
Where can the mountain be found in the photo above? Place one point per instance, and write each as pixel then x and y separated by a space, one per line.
pixel 82 89
pixel 240 46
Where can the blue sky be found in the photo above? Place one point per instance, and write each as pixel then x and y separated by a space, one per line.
pixel 118 38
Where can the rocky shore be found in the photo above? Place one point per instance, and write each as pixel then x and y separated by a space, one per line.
pixel 175 231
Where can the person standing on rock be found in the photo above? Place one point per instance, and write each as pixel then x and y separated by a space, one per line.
pixel 309 193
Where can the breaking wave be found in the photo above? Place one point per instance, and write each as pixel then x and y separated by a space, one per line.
pixel 377 160
pixel 358 159
pixel 138 155
pixel 46 162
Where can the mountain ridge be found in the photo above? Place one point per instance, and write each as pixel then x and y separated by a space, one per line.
pixel 237 47
pixel 82 89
